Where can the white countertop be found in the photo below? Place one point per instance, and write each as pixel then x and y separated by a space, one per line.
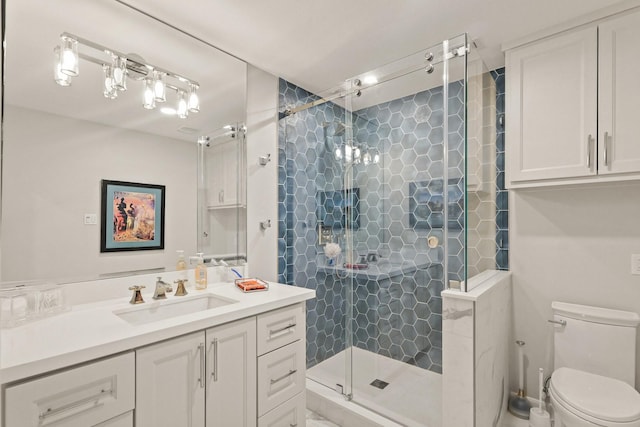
pixel 91 331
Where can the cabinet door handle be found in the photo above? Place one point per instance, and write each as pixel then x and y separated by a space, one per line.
pixel 291 372
pixel 589 148
pixel 606 148
pixel 202 365
pixel 214 359
pixel 94 400
pixel 286 328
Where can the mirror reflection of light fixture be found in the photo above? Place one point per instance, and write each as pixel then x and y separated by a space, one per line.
pixel 159 86
pixel 148 98
pixel 182 111
pixel 355 154
pixel 69 56
pixel 118 67
pixel 193 102
pixel 61 78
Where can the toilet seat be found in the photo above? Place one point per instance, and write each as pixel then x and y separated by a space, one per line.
pixel 596 398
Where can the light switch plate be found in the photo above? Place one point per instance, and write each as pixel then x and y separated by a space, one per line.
pixel 635 264
pixel 90 219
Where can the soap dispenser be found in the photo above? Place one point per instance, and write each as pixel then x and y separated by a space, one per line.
pixel 181 265
pixel 201 273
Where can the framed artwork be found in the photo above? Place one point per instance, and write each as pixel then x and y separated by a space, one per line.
pixel 132 216
pixel 426 204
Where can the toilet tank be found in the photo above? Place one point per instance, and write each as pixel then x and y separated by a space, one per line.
pixel 596 340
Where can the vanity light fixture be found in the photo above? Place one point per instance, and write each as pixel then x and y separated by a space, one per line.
pixel 61 78
pixel 354 154
pixel 118 68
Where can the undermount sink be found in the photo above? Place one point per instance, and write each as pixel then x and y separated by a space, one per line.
pixel 161 310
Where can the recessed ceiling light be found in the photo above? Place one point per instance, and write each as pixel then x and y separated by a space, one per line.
pixel 168 110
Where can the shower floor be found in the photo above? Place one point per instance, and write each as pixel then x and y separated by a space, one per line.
pixel 413 396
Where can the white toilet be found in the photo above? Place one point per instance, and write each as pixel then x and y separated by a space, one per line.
pixel 594 367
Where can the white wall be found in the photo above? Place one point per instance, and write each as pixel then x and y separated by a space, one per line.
pixel 52 169
pixel 262 181
pixel 574 245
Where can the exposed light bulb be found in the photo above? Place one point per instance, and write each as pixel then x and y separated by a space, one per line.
pixel 376 158
pixel 148 97
pixel 356 153
pixel 69 56
pixel 182 111
pixel 338 154
pixel 119 65
pixel 110 90
pixel 159 86
pixel 193 103
pixel 61 78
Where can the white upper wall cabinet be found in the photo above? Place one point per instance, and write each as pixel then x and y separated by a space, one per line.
pixel 572 103
pixel 619 95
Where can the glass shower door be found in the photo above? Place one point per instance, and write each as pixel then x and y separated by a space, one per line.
pixel 407 167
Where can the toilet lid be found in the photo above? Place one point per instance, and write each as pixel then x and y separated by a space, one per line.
pixel 603 398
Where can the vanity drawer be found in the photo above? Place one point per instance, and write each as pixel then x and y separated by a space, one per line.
pixel 79 397
pixel 281 375
pixel 280 327
pixel 291 413
pixel 124 420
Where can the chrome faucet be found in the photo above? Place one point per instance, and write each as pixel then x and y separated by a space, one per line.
pixel 161 289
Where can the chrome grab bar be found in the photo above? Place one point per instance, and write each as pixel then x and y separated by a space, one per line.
pixel 558 322
pixel 291 372
pixel 95 399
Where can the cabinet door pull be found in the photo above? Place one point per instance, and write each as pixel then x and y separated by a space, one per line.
pixel 291 372
pixel 286 328
pixel 202 365
pixel 589 148
pixel 214 370
pixel 606 148
pixel 95 399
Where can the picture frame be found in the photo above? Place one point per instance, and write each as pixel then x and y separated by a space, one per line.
pixel 132 216
pixel 426 204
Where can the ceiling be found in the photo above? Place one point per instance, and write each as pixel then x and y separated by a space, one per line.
pixel 318 44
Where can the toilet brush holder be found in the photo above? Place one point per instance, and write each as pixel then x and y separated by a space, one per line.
pixel 539 418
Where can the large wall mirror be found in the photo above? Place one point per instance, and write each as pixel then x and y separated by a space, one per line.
pixel 60 143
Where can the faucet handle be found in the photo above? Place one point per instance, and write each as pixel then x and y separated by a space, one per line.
pixel 136 298
pixel 181 290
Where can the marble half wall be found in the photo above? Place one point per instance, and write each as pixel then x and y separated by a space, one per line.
pixel 476 335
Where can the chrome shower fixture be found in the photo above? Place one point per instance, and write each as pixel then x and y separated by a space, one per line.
pixel 118 67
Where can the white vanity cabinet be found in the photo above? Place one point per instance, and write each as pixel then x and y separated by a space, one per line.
pixel 99 394
pixel 231 374
pixel 281 367
pixel 201 379
pixel 572 106
pixel 170 381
